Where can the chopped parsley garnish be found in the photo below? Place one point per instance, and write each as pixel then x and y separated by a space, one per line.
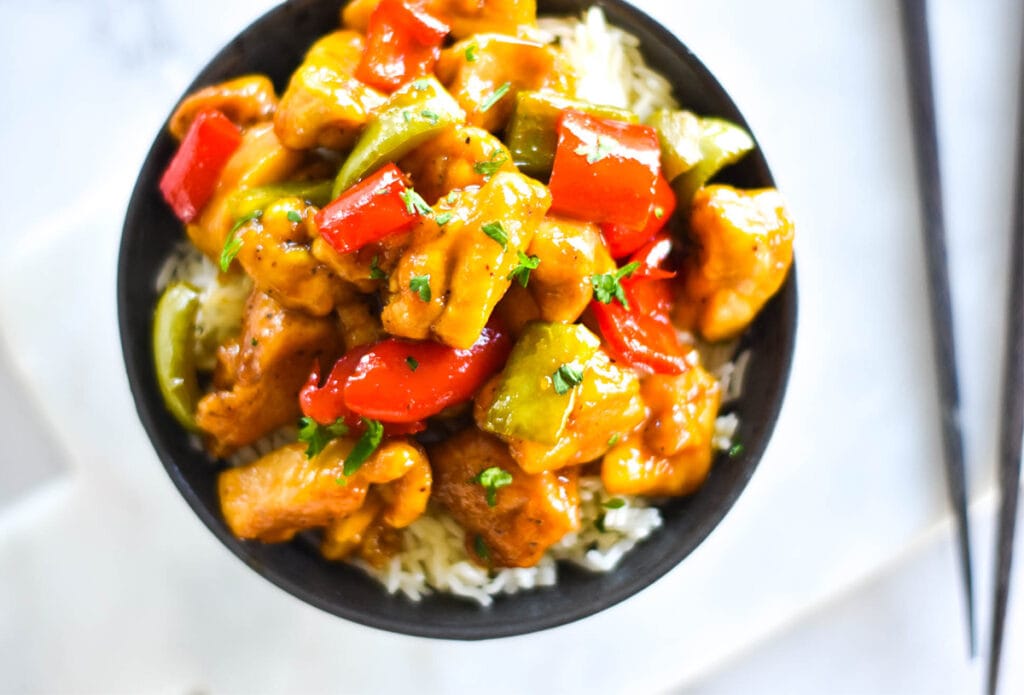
pixel 430 116
pixel 495 97
pixel 414 203
pixel 597 150
pixel 613 440
pixel 522 270
pixel 480 548
pixel 294 217
pixel 659 211
pixel 491 479
pixel 375 271
pixel 496 232
pixel 492 165
pixel 407 115
pixel 565 377
pixel 254 342
pixel 420 284
pixel 736 450
pixel 443 218
pixel 412 362
pixel 420 84
pixel 607 286
pixel 317 436
pixel 233 244
pixel 471 53
pixel 614 503
pixel 341 481
pixel 364 448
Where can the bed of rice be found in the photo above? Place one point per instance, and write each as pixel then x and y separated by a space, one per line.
pixel 434 557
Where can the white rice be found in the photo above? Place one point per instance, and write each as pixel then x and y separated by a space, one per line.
pixel 433 556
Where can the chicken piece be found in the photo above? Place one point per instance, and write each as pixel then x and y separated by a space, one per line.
pixel 570 252
pixel 465 17
pixel 366 267
pixel 451 277
pixel 259 160
pixel 745 248
pixel 345 535
pixel 672 454
pixel 529 514
pixel 324 105
pixel 607 401
pixel 497 60
pixel 246 100
pixel 285 492
pixel 275 253
pixel 358 320
pixel 262 372
pixel 459 157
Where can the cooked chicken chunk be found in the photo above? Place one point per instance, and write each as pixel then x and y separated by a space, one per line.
pixel 246 100
pixel 529 513
pixel 460 157
pixel 570 252
pixel 745 241
pixel 262 371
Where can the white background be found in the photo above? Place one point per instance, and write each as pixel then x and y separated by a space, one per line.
pixel 834 572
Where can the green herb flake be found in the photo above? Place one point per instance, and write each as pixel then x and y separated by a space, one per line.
pixel 375 270
pixel 254 342
pixel 233 243
pixel 659 212
pixel 420 84
pixel 614 503
pixel 294 217
pixel 414 203
pixel 522 270
pixel 736 450
pixel 595 151
pixel 407 115
pixel 420 284
pixel 480 548
pixel 471 53
pixel 430 116
pixel 341 481
pixel 317 436
pixel 496 232
pixel 613 440
pixel 599 523
pixel 492 165
pixel 492 479
pixel 607 286
pixel 495 97
pixel 565 377
pixel 443 218
pixel 412 362
pixel 364 448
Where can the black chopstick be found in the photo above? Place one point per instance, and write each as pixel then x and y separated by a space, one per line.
pixel 922 109
pixel 1012 425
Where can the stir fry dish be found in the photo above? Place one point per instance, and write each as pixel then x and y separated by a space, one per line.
pixel 477 291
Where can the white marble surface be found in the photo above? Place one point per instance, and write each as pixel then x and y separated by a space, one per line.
pixel 834 572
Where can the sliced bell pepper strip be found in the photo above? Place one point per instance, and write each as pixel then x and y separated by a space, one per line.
pixel 326 403
pixel 403 381
pixel 246 202
pixel 402 42
pixel 532 134
pixel 623 240
pixel 604 170
pixel 173 354
pixel 679 134
pixel 369 211
pixel 721 143
pixel 191 177
pixel 412 115
pixel 652 258
pixel 528 404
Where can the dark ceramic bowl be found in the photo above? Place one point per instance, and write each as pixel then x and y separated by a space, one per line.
pixel 274 45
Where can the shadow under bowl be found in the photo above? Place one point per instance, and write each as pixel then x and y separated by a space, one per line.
pixel 274 45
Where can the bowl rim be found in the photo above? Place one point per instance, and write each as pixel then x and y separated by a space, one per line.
pixel 136 366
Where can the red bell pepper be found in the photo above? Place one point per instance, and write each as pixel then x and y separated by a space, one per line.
pixel 402 42
pixel 642 334
pixel 623 240
pixel 367 212
pixel 404 381
pixel 191 177
pixel 604 170
pixel 401 382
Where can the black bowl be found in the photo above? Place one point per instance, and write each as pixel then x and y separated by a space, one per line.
pixel 274 45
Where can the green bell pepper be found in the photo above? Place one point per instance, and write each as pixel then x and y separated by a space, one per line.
pixel 533 399
pixel 173 329
pixel 720 143
pixel 411 116
pixel 532 134
pixel 246 202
